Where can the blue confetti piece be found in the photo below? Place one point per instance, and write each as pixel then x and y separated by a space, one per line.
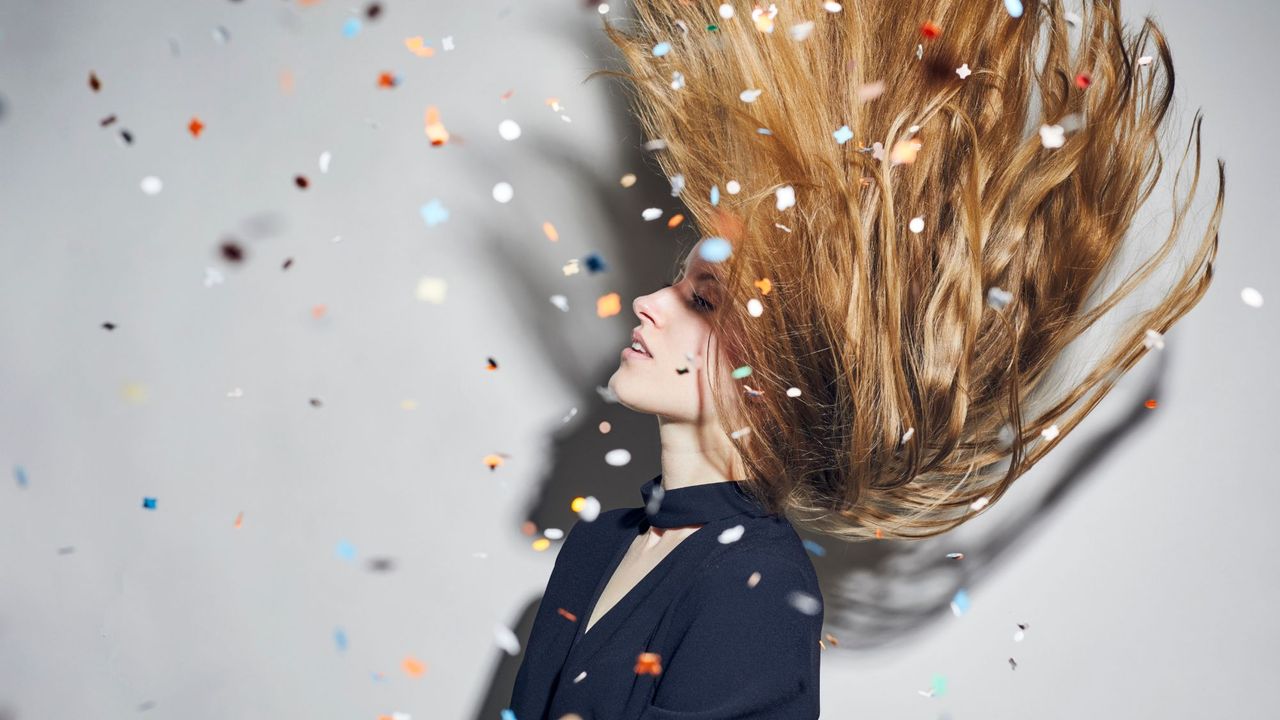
pixel 595 263
pixel 507 714
pixel 351 27
pixel 843 135
pixel 20 473
pixel 346 550
pixel 1014 7
pixel 939 683
pixel 764 131
pixel 340 639
pixel 661 49
pixel 815 548
pixel 714 249
pixel 149 503
pixel 715 195
pixel 434 213
pixel 960 603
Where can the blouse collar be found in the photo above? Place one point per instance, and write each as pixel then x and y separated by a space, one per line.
pixel 695 504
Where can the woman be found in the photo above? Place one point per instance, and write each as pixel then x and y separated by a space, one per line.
pixel 911 210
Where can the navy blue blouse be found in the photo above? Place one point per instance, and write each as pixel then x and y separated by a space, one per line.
pixel 727 625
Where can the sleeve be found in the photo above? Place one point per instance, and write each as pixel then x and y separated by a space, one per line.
pixel 748 652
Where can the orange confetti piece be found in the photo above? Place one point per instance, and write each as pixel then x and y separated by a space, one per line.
pixel 930 30
pixel 550 231
pixel 195 126
pixel 675 220
pixel 413 667
pixel 386 80
pixel 648 663
pixel 567 615
pixel 879 533
pixel 493 461
pixel 418 47
pixel 608 305
pixel 904 151
pixel 318 311
pixel 1150 404
pixel 286 81
pixel 765 285
pixel 435 129
pixel 240 520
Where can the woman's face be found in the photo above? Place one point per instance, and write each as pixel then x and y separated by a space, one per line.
pixel 674 327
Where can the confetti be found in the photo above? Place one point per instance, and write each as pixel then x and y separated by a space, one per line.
pixel 731 535
pixel 801 31
pixel 447 42
pixel 793 392
pixel 764 18
pixel 960 602
pixel 503 192
pixel 618 457
pixel 431 289
pixel 963 71
pixel 930 31
pixel 418 47
pixel 804 602
pixel 1052 136
pixel 1013 7
pixel 1153 339
pixel 1251 297
pixel 647 663
pixel 509 129
pixel 733 187
pixel 651 213
pixel 677 184
pixel 151 185
pixel 1145 60
pixel 749 95
pixel 726 11
pixel 832 7
pixel 434 129
pixel 1084 80
pixel 387 80
pixel 815 548
pixel 628 180
pixel 325 157
pixel 715 195
pixel 843 134
pixel 715 249
pixel 550 231
pixel 434 212
pixel 149 503
pixel 661 49
pixel 588 509
pixel 907 435
pixel 346 550
pixel 677 80
pixel 1050 432
pixel 506 639
pixel 561 302
pixel 195 126
pixel 905 151
pixel 413 667
pixel 741 372
pixel 608 305
pixel 786 197
pixel 94 83
pixel 871 90
pixel 675 220
pixel 20 474
pixel 998 298
pixel 916 225
pixel 755 308
pixel 340 639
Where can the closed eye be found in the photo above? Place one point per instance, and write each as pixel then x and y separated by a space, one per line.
pixel 699 303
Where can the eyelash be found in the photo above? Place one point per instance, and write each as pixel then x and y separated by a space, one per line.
pixel 699 303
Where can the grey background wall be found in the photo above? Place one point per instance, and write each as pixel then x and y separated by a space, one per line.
pixel 349 445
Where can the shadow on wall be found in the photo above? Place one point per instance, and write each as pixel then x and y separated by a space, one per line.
pixel 874 594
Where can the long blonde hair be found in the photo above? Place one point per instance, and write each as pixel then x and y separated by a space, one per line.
pixel 917 345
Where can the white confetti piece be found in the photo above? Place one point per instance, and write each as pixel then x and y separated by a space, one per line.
pixel 212 276
pixel 677 184
pixel 677 80
pixel 749 95
pixel 651 213
pixel 1153 339
pixel 832 7
pixel 1145 60
pixel 503 192
pixel 801 31
pixel 1050 432
pixel 658 144
pixel 509 129
pixel 506 639
pixel 907 435
pixel 1052 136
pixel 804 602
pixel 733 187
pixel 963 71
pixel 731 535
pixel 998 298
pixel 590 509
pixel 755 308
pixel 324 161
pixel 447 43
pixel 151 185
pixel 726 11
pixel 561 302
pixel 786 197
pixel 979 503
pixel 618 457
pixel 431 289
pixel 1251 297
pixel 916 225
pixel 580 677
pixel 553 533
pixel 793 392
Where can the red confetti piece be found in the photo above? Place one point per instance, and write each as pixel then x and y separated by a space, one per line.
pixel 195 126
pixel 94 82
pixel 648 663
pixel 1083 80
pixel 387 80
pixel 301 181
pixel 930 30
pixel 1150 404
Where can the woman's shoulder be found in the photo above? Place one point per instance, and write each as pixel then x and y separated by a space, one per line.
pixel 769 563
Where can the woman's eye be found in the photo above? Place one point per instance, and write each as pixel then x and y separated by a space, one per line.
pixel 700 303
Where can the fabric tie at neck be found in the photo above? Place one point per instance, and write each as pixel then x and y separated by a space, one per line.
pixel 695 504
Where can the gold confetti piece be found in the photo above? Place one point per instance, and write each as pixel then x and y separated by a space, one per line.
pixel 550 231
pixel 408 404
pixel 418 47
pixel 413 667
pixel 577 504
pixel 541 544
pixel 434 128
pixel 628 180
pixel 493 461
pixel 648 663
pixel 765 285
pixel 608 305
